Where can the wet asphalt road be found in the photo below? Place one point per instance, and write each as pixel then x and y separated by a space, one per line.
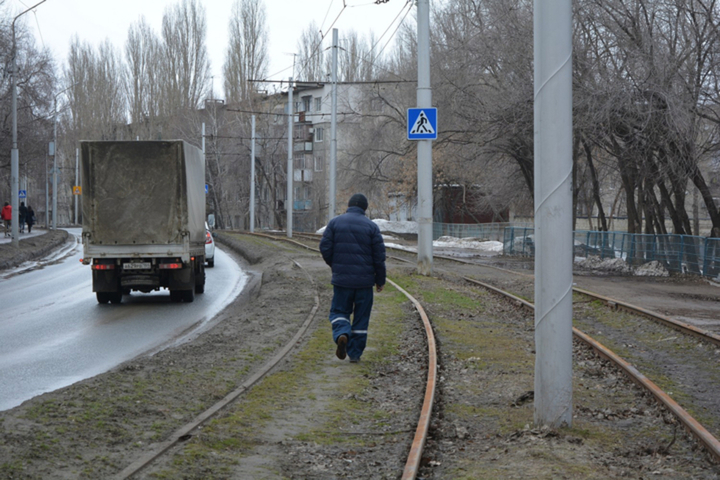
pixel 53 332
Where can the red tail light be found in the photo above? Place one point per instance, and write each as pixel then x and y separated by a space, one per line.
pixel 208 237
pixel 104 266
pixel 170 266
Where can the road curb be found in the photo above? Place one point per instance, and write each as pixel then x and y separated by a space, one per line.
pixel 31 248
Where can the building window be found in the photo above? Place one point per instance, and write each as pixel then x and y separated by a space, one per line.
pixel 319 163
pixel 318 104
pixel 319 134
pixel 306 103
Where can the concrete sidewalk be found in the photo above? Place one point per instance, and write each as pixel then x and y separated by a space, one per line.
pixel 23 236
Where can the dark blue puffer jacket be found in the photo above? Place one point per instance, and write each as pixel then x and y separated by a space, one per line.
pixel 354 249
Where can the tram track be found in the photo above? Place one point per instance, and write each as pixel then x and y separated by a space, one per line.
pixel 412 465
pixel 711 443
pixel 694 427
pixel 477 417
pixel 186 431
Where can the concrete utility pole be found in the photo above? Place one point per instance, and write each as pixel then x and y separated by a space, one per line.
pixel 252 174
pixel 54 155
pixel 47 192
pixel 54 172
pixel 553 212
pixel 14 154
pixel 289 193
pixel 333 130
pixel 77 182
pixel 424 147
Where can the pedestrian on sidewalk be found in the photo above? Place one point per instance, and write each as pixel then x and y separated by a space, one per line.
pixel 6 216
pixel 23 216
pixel 354 249
pixel 30 218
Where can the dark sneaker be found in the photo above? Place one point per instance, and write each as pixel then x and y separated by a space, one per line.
pixel 341 351
pixel 354 360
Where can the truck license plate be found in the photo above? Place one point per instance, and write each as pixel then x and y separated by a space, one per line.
pixel 136 266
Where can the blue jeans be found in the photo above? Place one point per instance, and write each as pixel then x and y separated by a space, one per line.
pixel 347 301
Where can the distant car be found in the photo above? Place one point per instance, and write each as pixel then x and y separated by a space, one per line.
pixel 209 248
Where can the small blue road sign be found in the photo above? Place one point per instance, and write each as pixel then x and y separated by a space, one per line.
pixel 206 189
pixel 22 193
pixel 422 123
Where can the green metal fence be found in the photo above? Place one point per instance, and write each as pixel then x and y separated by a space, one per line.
pixel 678 253
pixel 482 231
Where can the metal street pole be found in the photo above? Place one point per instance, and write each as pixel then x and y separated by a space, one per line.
pixel 77 182
pixel 54 172
pixel 424 148
pixel 332 194
pixel 553 212
pixel 252 174
pixel 14 154
pixel 289 193
pixel 47 194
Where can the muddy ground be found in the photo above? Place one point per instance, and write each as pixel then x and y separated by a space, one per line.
pixel 32 248
pixel 318 417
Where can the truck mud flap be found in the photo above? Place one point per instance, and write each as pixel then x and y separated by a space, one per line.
pixel 182 279
pixel 105 281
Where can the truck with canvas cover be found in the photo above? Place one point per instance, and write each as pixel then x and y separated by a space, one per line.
pixel 143 217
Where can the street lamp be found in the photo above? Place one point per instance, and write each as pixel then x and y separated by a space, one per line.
pixel 14 154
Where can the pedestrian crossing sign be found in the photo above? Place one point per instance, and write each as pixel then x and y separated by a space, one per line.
pixel 422 123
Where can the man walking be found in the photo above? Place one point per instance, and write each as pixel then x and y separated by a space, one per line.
pixel 354 249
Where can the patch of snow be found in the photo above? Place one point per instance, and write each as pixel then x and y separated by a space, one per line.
pixel 618 265
pixel 615 265
pixel 401 247
pixel 396 226
pixel 470 243
pixel 388 226
pixel 652 269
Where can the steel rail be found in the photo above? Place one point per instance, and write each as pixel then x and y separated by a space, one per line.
pixel 412 465
pixel 413 462
pixel 185 432
pixel 692 425
pixel 682 327
pixel 667 321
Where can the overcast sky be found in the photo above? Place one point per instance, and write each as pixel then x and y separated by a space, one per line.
pixel 56 21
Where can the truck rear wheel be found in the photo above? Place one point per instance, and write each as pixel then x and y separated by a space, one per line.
pixel 200 278
pixel 103 297
pixel 116 297
pixel 188 295
pixel 176 296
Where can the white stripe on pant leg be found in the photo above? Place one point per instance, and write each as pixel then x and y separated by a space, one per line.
pixel 340 318
pixel 360 331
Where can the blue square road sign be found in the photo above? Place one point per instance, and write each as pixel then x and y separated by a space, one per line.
pixel 422 123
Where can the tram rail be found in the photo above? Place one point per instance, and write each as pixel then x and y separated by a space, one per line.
pixel 697 430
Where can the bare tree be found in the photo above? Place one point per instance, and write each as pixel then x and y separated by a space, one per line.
pixel 142 57
pixel 96 91
pixel 247 57
pixel 185 75
pixel 36 83
pixel 356 59
pixel 311 64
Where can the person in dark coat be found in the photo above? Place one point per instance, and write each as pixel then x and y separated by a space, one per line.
pixel 30 218
pixel 354 249
pixel 23 216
